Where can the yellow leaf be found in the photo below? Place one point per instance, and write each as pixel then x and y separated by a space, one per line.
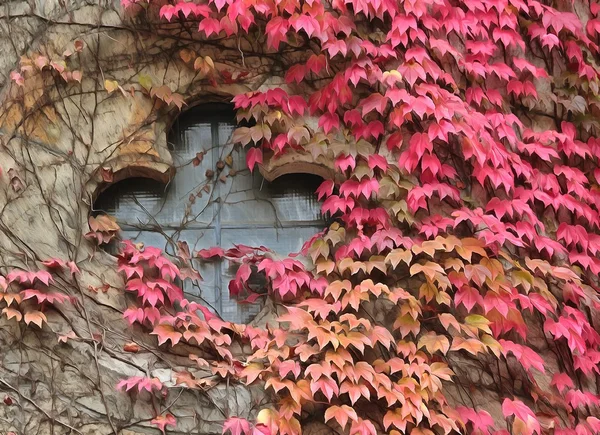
pixel 443 298
pixel 376 262
pixel 319 248
pixel 479 322
pixel 523 278
pixel 111 85
pixel 492 344
pixel 269 418
pixel 200 65
pixel 428 291
pixel 209 62
pixel 345 264
pixel 325 266
pixel 394 73
pixel 145 81
pixel 336 234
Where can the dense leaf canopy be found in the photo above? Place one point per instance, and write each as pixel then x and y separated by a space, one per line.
pixel 465 213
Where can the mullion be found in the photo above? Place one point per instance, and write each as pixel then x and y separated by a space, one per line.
pixel 216 147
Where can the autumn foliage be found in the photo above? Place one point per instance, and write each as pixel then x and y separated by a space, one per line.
pixel 465 213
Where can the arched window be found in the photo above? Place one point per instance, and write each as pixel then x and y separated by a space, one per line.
pixel 214 200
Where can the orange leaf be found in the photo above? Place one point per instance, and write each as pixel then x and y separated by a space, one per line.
pixel 131 347
pixel 341 414
pixel 448 320
pixel 471 345
pixel 336 287
pixel 471 245
pixel 11 312
pixel 36 317
pixel 430 269
pixel 356 339
pixel 429 247
pixel 433 342
pixel 406 324
pixel 397 255
pixel 165 333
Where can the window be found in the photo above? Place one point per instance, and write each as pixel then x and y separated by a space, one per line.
pixel 214 200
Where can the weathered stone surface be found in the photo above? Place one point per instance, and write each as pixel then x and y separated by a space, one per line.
pixel 55 138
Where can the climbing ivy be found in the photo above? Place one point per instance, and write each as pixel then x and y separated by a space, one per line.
pixel 465 205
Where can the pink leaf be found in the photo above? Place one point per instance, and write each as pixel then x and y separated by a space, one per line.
pixel 236 426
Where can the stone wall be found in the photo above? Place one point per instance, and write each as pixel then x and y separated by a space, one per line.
pixel 57 137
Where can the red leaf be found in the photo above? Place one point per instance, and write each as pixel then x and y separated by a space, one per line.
pixel 276 31
pixel 325 189
pixel 254 156
pixel 481 420
pixel 209 26
pixel 329 122
pixel 27 277
pixel 141 383
pixel 213 252
pixel 562 381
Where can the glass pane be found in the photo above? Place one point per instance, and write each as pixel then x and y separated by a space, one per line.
pixel 140 202
pixel 133 202
pixel 186 202
pixel 251 200
pixel 293 196
pixel 207 287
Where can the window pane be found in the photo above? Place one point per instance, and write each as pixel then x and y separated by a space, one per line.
pixel 253 201
pixel 207 288
pixel 133 202
pixel 293 196
pixel 193 156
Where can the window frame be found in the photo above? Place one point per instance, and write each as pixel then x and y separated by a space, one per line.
pixel 214 114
